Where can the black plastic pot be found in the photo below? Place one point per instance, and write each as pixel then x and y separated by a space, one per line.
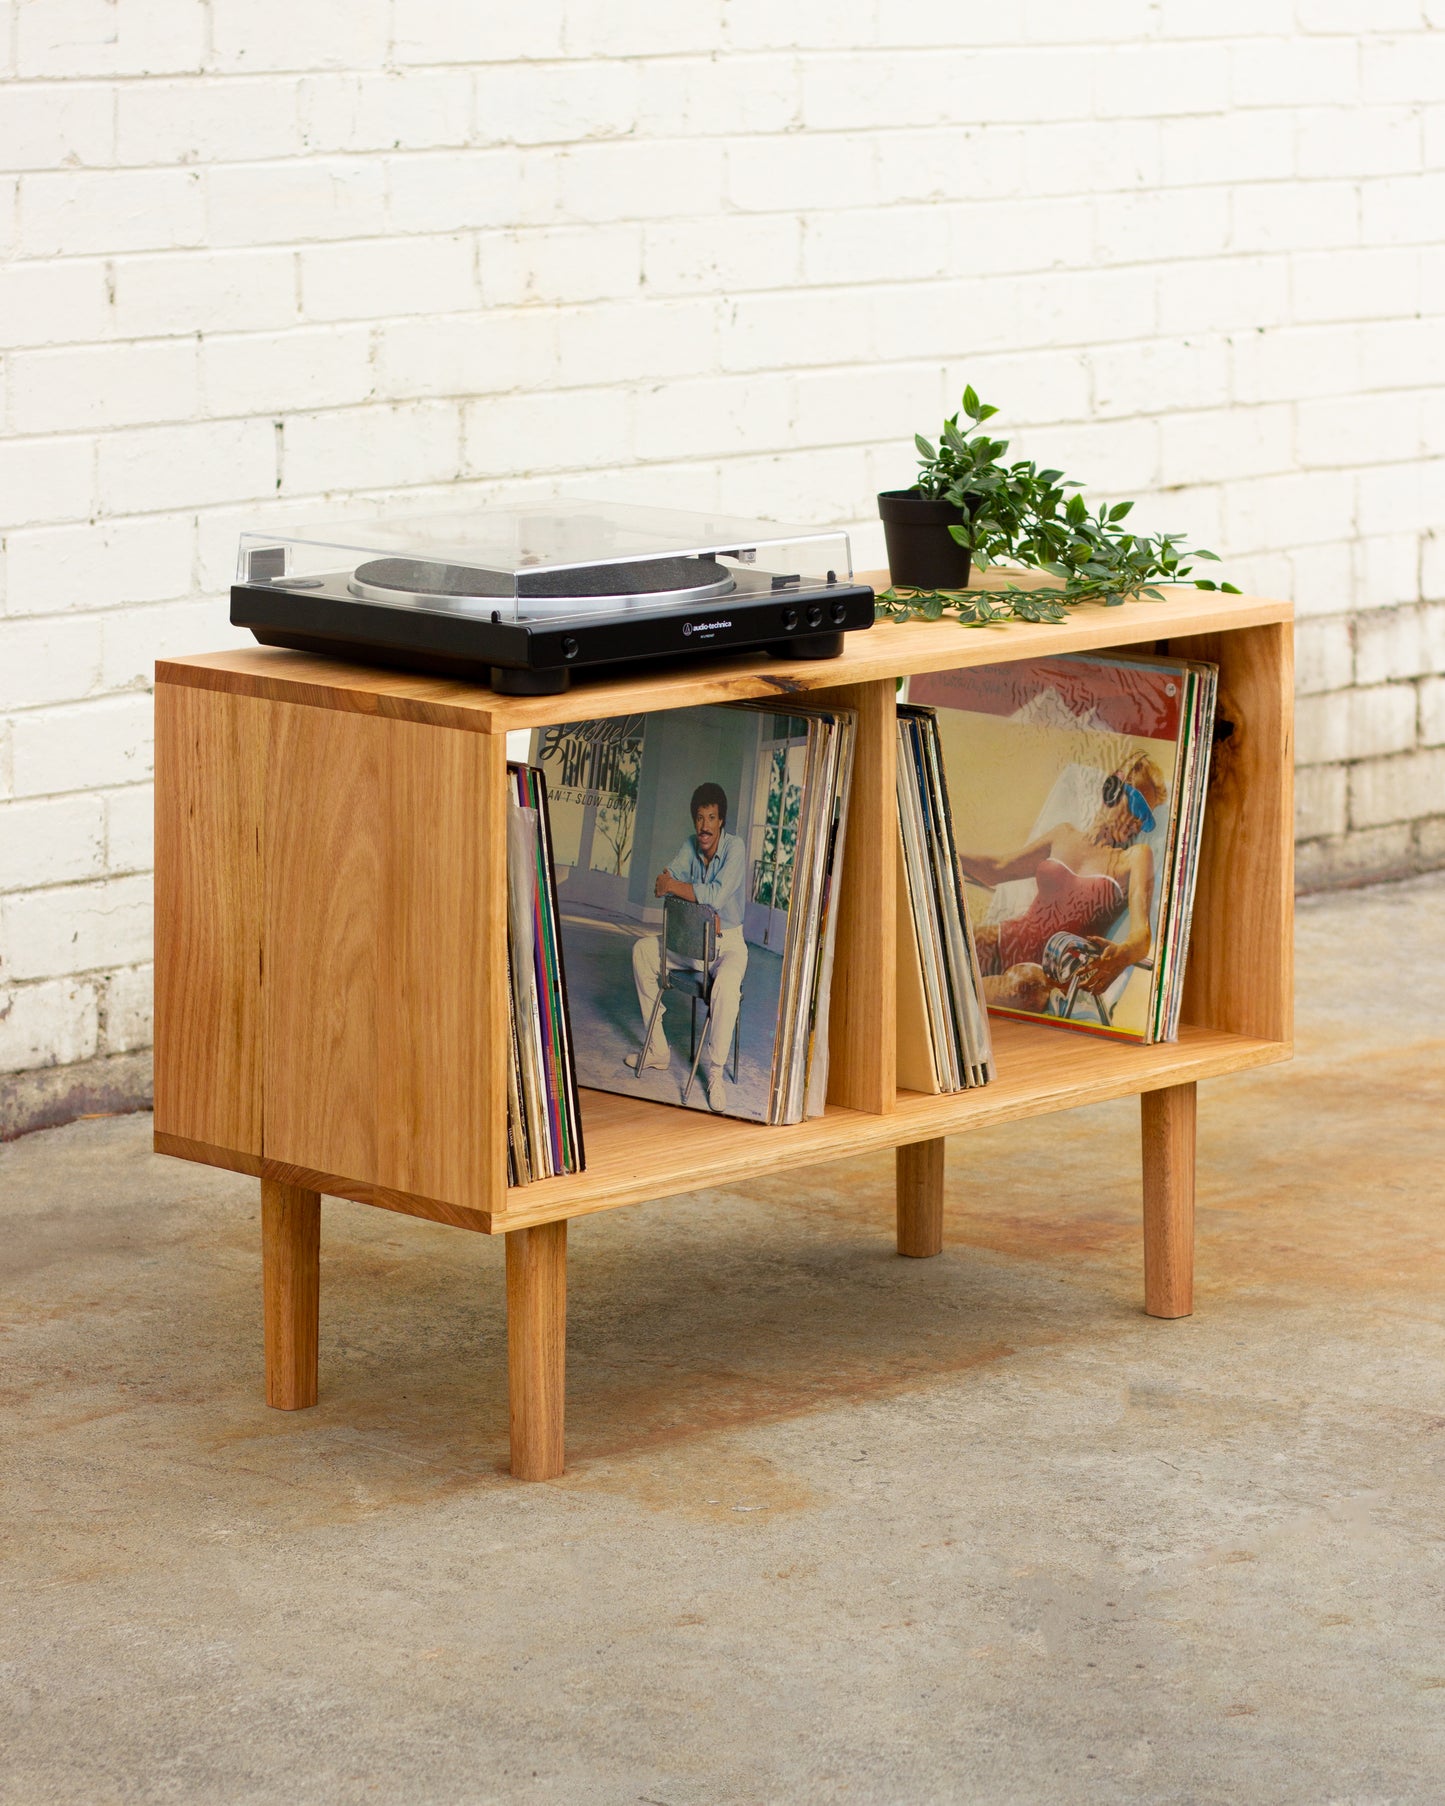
pixel 922 553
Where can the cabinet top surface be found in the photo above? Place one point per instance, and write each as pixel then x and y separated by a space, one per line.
pixel 887 649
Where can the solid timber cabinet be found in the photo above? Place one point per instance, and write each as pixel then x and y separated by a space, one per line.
pixel 331 956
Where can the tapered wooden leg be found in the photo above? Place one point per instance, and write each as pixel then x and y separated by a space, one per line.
pixel 537 1348
pixel 291 1282
pixel 1168 1125
pixel 920 1198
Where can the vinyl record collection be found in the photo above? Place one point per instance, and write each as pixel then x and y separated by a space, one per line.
pixel 544 1118
pixel 698 854
pixel 1078 803
pixel 687 863
pixel 943 1036
pixel 1186 824
pixel 800 1084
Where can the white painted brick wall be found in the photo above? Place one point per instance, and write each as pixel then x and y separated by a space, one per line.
pixel 267 260
pixel 1395 790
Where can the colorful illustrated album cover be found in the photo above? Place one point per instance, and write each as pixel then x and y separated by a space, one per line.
pixel 1066 776
pixel 709 807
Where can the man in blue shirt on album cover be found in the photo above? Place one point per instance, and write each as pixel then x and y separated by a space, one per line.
pixel 709 867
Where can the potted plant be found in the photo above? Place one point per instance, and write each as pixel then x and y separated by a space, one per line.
pixel 969 509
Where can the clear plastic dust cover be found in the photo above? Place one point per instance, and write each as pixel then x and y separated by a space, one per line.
pixel 553 562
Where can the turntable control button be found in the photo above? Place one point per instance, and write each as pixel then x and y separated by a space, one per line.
pixel 790 619
pixel 570 648
pixel 839 613
pixel 815 614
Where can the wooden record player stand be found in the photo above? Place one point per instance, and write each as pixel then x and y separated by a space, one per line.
pixel 331 957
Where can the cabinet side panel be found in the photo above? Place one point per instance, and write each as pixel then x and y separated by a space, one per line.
pixel 441 1064
pixel 325 800
pixel 210 776
pixel 862 1041
pixel 1241 958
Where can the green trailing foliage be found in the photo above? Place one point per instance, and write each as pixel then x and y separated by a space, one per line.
pixel 1020 515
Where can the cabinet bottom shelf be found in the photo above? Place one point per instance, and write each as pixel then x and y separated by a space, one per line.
pixel 638 1150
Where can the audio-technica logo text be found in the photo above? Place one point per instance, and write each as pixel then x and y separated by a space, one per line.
pixel 704 626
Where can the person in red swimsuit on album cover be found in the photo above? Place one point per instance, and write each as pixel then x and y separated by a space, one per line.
pixel 1085 877
pixel 1076 791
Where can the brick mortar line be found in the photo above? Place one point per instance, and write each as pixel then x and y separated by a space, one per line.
pixel 637 386
pixel 548 150
pixel 639 136
pixel 98 881
pixel 20 256
pixel 391 68
pixel 641 385
pixel 89 973
pixel 1223 338
pixel 798 55
pixel 293 248
pixel 395 493
pixel 641 224
pixel 1409 823
pixel 762 449
pixel 649 295
pixel 303 158
pixel 877 286
pixel 473 398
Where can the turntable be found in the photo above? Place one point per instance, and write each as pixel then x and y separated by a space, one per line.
pixel 522 599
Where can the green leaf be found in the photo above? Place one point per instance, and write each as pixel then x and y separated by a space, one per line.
pixel 1199 552
pixel 1230 590
pixel 1017 514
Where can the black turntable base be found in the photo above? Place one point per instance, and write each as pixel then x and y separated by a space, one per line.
pixel 524 632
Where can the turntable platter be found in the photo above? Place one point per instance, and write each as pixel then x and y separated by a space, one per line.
pixel 654 582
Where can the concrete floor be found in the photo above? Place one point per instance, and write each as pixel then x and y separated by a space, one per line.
pixel 837 1526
